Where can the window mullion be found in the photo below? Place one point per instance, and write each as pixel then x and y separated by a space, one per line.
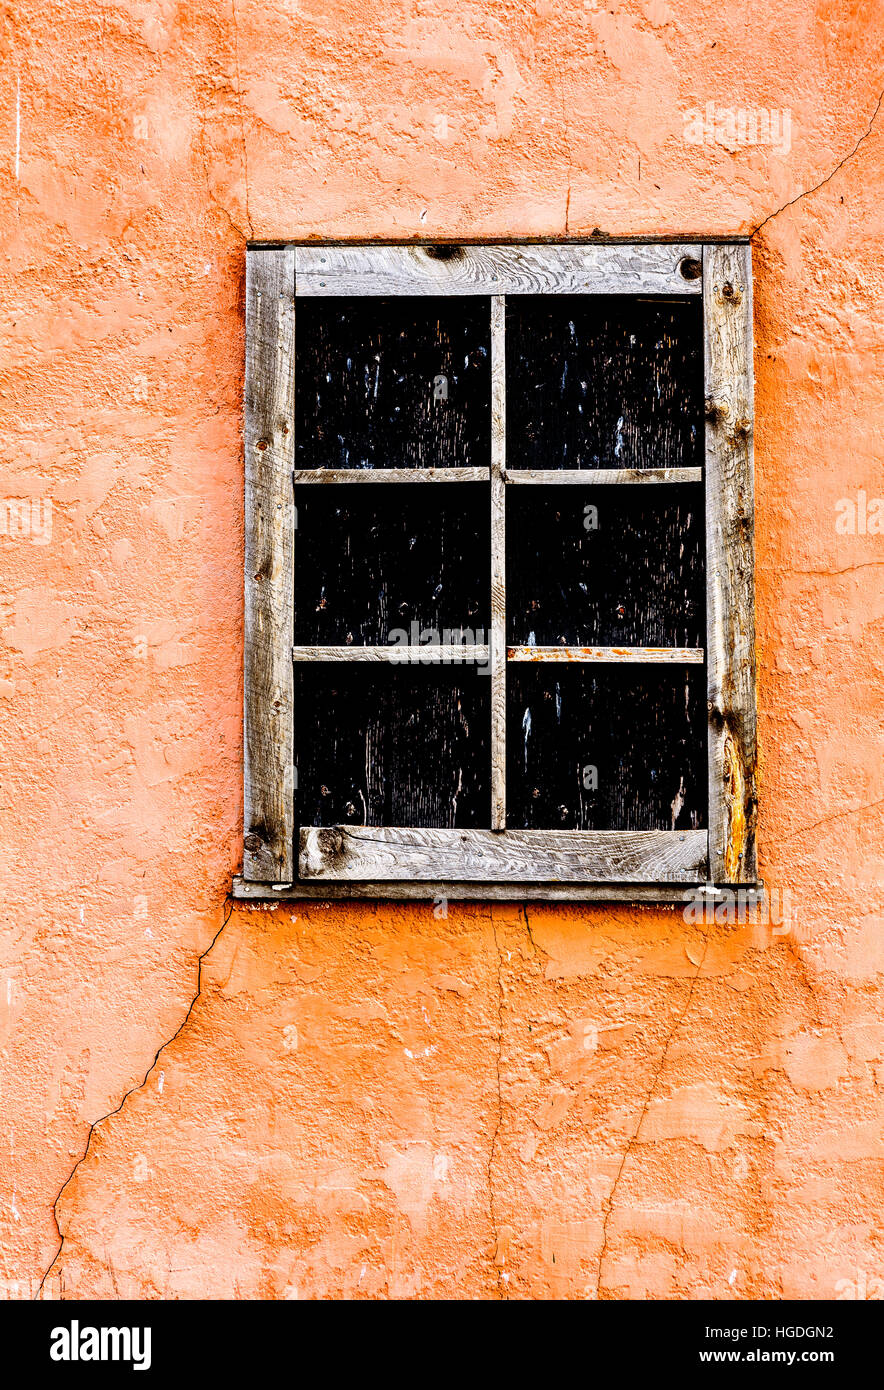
pixel 497 636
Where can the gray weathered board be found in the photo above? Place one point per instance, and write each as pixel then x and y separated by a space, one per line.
pixel 490 270
pixel 602 477
pixel 434 891
pixel 730 583
pixel 439 653
pixel 388 852
pixel 268 808
pixel 392 475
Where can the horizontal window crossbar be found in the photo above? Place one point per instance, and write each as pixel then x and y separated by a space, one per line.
pixel 476 653
pixel 538 477
pixel 692 655
pixel 602 477
pixel 456 653
pixel 391 475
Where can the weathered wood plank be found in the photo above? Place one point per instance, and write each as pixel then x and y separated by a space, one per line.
pixel 602 477
pixel 680 655
pixel 429 654
pixel 497 633
pixel 491 270
pixel 269 592
pixel 391 475
pixel 730 522
pixel 435 892
pixel 345 853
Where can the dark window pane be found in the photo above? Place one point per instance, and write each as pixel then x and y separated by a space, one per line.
pixel 393 745
pixel 371 561
pixel 606 566
pixel 604 382
pixel 606 748
pixel 392 383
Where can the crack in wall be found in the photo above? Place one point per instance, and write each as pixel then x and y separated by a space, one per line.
pixel 205 163
pixel 534 946
pixel 567 134
pixel 131 1091
pixel 836 815
pixel 817 999
pixel 609 1205
pixel 495 1231
pixel 822 183
pixel 833 574
pixel 242 128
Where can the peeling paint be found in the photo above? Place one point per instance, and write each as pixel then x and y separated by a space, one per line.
pixel 736 803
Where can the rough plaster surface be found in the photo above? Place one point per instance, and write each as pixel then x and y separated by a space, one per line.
pixel 365 1100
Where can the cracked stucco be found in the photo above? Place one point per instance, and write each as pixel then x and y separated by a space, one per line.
pixel 202 1100
pixel 608 1207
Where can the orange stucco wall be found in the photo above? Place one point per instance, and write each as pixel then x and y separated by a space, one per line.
pixel 368 1100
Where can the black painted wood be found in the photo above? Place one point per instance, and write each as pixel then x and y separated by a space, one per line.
pixel 591 382
pixel 370 562
pixel 393 383
pixel 393 745
pixel 604 382
pixel 639 732
pixel 606 566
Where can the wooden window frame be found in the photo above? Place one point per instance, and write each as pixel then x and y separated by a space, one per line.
pixel 281 861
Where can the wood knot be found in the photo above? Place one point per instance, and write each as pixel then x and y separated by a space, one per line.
pixel 252 843
pixel 320 847
pixel 716 410
pixel 716 716
pixel 330 843
pixel 444 252
pixel 690 269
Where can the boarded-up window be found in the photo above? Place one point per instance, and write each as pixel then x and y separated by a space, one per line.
pixel 499 571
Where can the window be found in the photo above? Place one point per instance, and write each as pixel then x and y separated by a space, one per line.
pixel 499 571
